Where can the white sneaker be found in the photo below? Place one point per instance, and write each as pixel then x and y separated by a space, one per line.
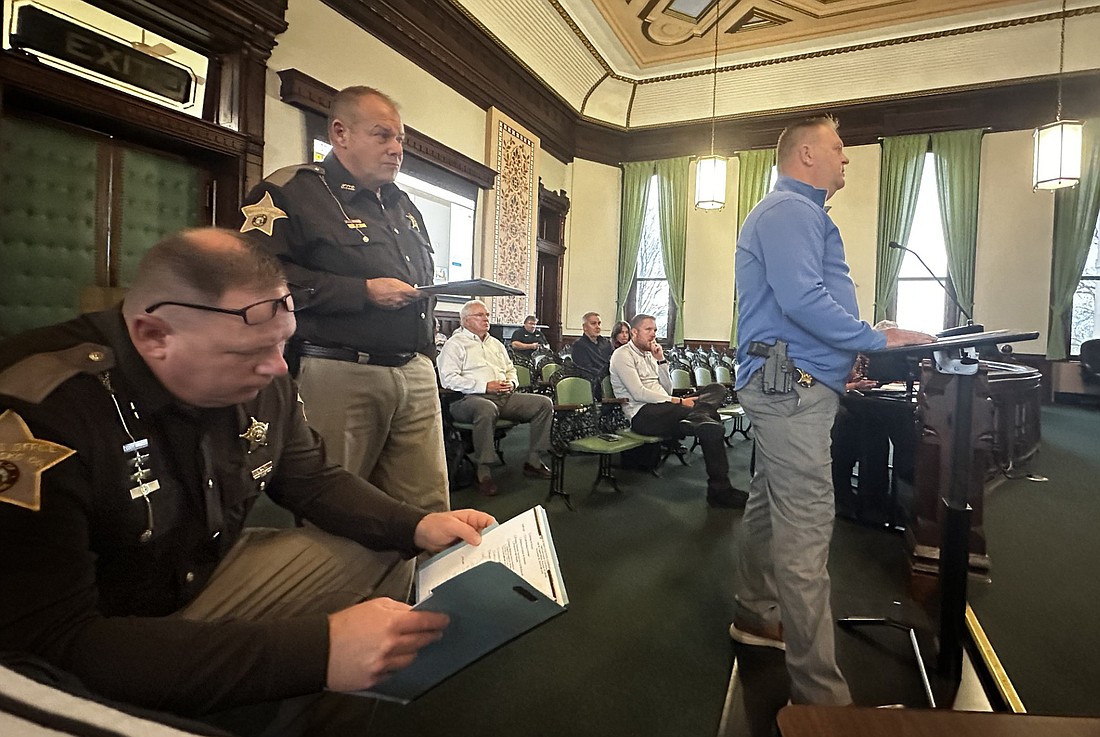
pixel 758 636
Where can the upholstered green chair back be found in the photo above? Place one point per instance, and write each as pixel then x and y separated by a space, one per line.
pixel 574 390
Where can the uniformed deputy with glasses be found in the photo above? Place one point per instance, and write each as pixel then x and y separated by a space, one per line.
pixel 366 346
pixel 134 442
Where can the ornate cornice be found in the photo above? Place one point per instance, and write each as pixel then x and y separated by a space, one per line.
pixel 456 50
pixel 307 93
pixel 208 26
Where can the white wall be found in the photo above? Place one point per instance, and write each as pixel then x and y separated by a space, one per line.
pixel 592 244
pixel 854 209
pixel 1015 239
pixel 328 47
pixel 708 264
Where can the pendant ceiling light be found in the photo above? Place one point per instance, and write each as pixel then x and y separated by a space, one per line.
pixel 710 171
pixel 1058 144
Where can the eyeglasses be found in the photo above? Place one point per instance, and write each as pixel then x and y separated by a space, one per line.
pixel 257 313
pixel 477 314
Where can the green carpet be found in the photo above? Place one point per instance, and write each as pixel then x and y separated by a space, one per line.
pixel 1040 610
pixel 643 649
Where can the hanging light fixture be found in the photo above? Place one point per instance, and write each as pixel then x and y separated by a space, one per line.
pixel 710 171
pixel 1058 144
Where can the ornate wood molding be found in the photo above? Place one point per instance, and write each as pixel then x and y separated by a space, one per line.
pixel 52 90
pixel 1016 106
pixel 208 26
pixel 454 49
pixel 306 93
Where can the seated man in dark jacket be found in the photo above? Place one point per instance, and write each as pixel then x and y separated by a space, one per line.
pixel 138 440
pixel 591 352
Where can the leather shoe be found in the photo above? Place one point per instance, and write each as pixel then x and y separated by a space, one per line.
pixel 730 498
pixel 537 472
pixel 487 487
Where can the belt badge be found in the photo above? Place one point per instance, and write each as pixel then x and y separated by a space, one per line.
pixel 256 434
pixel 23 458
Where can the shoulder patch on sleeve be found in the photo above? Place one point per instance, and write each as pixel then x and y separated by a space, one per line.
pixel 35 377
pixel 281 177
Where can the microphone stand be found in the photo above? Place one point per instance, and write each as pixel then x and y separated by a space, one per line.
pixel 962 329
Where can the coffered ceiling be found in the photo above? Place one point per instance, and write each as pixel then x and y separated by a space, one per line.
pixel 651 63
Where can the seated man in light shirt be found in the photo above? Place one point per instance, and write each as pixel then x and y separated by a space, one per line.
pixel 639 373
pixel 477 364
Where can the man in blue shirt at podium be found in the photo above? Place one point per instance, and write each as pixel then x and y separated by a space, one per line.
pixel 798 334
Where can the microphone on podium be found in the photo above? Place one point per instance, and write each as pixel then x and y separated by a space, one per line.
pixel 969 320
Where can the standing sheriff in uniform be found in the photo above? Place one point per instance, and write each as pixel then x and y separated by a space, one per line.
pixel 366 345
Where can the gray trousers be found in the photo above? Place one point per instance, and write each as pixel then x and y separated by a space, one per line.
pixel 785 534
pixel 483 410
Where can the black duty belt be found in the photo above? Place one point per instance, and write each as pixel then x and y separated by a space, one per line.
pixel 352 356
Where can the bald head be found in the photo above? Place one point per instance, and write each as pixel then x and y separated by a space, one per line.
pixel 345 105
pixel 200 265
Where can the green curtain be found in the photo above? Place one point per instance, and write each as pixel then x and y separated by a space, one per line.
pixel 672 188
pixel 754 173
pixel 902 164
pixel 636 176
pixel 958 156
pixel 1075 212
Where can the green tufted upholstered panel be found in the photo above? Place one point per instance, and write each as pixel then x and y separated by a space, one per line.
pixel 47 223
pixel 159 196
pixel 48 178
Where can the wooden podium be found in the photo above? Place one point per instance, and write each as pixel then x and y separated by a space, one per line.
pixel 956 421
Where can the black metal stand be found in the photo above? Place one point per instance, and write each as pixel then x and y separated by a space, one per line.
pixel 955 355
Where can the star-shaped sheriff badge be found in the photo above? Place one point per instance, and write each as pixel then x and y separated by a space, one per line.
pixel 261 216
pixel 255 434
pixel 23 458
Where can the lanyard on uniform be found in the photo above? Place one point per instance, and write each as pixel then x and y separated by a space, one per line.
pixel 141 475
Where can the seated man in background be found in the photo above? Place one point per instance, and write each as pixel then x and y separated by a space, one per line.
pixel 639 372
pixel 527 339
pixel 476 364
pixel 146 435
pixel 592 352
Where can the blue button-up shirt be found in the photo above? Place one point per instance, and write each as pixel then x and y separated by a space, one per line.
pixel 793 285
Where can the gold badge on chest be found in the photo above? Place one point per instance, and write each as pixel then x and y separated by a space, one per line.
pixel 255 434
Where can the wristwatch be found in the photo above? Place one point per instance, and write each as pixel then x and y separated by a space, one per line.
pixel 663 360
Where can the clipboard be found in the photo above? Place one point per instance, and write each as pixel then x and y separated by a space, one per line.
pixel 489 603
pixel 489 606
pixel 472 288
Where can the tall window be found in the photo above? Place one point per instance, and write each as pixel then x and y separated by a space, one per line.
pixel 921 303
pixel 650 293
pixel 1085 317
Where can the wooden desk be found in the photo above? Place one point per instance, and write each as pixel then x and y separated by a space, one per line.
pixel 848 721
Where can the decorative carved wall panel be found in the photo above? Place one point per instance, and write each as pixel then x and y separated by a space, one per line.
pixel 511 214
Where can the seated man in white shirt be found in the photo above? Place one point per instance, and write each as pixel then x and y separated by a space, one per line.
pixel 639 372
pixel 477 364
